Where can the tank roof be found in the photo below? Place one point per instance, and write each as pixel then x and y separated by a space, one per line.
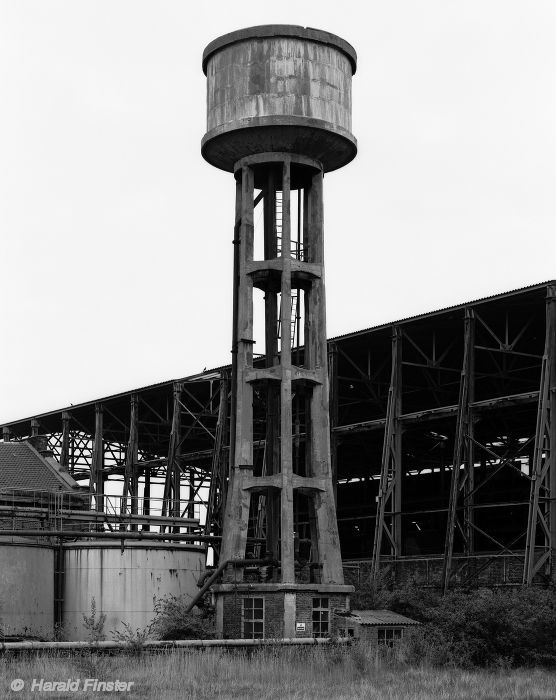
pixel 270 30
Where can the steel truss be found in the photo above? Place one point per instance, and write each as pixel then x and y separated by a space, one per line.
pixel 441 443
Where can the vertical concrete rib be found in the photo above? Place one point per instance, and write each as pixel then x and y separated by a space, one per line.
pixel 236 518
pixel 286 454
pixel 317 349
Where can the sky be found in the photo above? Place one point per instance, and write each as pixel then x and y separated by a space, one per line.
pixel 115 235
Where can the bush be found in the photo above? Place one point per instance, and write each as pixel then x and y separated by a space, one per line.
pixel 485 628
pixel 173 622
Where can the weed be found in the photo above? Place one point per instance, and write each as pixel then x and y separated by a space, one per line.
pixel 133 639
pixel 94 626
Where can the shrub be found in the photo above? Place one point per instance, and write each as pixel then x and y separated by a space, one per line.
pixel 171 620
pixel 484 628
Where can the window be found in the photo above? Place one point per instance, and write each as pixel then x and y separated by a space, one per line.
pixel 321 617
pixel 349 632
pixel 389 636
pixel 253 618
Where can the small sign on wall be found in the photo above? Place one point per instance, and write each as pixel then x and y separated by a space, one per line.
pixel 300 627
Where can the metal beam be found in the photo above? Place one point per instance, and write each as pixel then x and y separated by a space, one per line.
pixel 462 455
pixel 131 471
pixel 541 522
pixel 97 463
pixel 388 500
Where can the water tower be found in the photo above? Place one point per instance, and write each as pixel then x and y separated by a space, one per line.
pixel 279 117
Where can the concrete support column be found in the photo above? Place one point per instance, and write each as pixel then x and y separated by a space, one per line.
pixel 272 450
pixel 286 453
pixel 236 516
pixel 316 359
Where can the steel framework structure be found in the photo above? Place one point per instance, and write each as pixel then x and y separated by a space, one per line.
pixel 442 442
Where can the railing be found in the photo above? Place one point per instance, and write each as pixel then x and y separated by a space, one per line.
pixel 68 510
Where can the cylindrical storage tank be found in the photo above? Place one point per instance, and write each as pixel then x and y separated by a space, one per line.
pixel 26 589
pixel 279 88
pixel 125 584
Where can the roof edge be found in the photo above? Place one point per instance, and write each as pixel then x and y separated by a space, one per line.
pixel 263 31
pixel 205 375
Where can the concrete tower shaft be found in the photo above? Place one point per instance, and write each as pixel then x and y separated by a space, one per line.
pixel 279 117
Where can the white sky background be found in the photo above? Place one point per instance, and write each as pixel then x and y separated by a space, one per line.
pixel 115 248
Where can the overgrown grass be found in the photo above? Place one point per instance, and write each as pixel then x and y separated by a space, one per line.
pixel 300 673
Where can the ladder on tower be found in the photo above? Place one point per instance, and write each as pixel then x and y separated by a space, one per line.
pixel 278 221
pixel 260 517
pixel 294 319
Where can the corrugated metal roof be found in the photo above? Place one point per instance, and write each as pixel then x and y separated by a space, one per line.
pixel 493 297
pixel 22 467
pixel 381 617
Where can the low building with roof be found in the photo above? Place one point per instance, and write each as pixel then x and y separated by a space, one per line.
pixel 378 627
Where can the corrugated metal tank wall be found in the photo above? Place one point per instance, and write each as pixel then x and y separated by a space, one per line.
pixel 26 589
pixel 125 584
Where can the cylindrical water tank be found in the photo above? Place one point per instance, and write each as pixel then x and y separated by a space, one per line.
pixel 26 589
pixel 125 584
pixel 279 88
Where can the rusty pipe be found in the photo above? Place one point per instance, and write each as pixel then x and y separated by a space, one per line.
pixel 217 572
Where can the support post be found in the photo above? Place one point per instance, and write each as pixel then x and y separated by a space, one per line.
pixel 6 434
pixel 469 465
pixel 34 427
pixel 97 464
pixel 171 488
pixel 286 443
pixel 462 455
pixel 236 516
pixel 65 448
pixel 219 471
pixel 388 512
pixel 147 497
pixel 323 503
pixel 541 522
pixel 333 401
pixel 271 514
pixel 131 475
